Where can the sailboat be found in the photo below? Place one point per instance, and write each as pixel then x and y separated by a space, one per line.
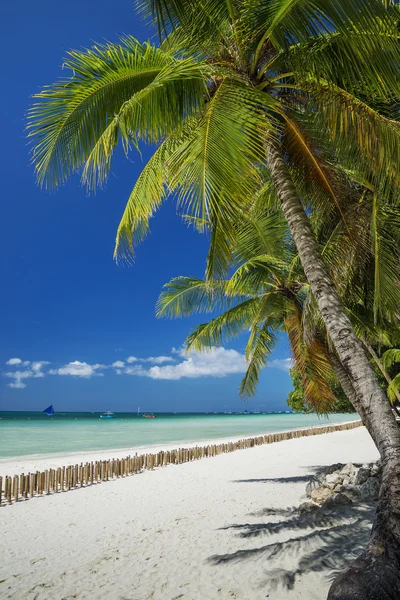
pixel 49 410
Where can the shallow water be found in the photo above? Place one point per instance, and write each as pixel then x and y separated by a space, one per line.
pixel 24 433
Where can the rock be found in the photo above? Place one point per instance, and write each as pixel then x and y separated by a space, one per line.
pixel 348 470
pixel 346 480
pixel 333 479
pixel 376 468
pixel 362 475
pixel 352 492
pixel 333 468
pixel 319 495
pixel 337 500
pixel 308 506
pixel 369 490
pixel 312 485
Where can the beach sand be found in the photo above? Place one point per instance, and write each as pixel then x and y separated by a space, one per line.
pixel 218 528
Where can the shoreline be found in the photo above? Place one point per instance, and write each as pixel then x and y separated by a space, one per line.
pixel 215 529
pixel 15 465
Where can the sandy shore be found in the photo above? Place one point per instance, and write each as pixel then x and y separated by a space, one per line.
pixel 212 529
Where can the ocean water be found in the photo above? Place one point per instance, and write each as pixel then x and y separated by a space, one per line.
pixel 32 433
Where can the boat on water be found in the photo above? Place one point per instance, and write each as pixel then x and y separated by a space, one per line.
pixel 149 416
pixel 49 410
pixel 107 415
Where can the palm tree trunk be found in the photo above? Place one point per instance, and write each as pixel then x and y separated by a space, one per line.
pixel 348 389
pixel 376 573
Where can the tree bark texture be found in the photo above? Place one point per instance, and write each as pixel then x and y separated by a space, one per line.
pixel 376 573
pixel 348 389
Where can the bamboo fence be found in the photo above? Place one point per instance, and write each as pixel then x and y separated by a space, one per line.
pixel 52 481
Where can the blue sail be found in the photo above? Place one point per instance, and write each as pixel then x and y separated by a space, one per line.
pixel 49 410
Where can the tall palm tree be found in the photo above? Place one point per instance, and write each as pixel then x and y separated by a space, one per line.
pixel 238 86
pixel 268 292
pixel 265 295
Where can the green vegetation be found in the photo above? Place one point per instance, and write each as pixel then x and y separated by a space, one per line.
pixel 296 402
pixel 255 107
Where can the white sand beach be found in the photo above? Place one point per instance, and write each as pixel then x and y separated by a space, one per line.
pixel 217 528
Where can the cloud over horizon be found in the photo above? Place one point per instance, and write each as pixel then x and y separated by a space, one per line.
pixel 35 371
pixel 79 369
pixel 217 362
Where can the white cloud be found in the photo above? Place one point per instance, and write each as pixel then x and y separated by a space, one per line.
pixel 283 364
pixel 157 360
pixel 35 370
pixel 18 377
pixel 118 364
pixel 38 366
pixel 78 369
pixel 14 361
pixel 218 362
pixel 136 370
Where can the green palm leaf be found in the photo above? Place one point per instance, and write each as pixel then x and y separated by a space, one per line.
pixel 224 327
pixel 184 296
pixel 260 345
pixel 133 90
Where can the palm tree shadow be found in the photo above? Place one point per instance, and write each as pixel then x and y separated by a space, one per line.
pixel 323 540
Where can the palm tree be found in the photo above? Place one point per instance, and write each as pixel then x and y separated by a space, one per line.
pixel 236 87
pixel 268 293
pixel 265 294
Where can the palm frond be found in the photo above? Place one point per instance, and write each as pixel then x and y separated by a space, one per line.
pixel 314 176
pixel 224 327
pixel 336 57
pixel 290 22
pixel 130 90
pixel 257 275
pixel 393 387
pixel 216 167
pixel 150 189
pixel 260 345
pixel 386 260
pixel 184 296
pixel 261 231
pixel 369 140
pixel 390 357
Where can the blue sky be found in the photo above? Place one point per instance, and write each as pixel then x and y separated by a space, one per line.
pixel 83 328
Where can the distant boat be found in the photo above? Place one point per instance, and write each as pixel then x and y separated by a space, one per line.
pixel 49 410
pixel 107 415
pixel 149 416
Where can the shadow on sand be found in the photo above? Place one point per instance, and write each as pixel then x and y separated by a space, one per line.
pixel 322 540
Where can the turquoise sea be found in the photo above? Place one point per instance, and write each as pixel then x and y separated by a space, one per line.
pixel 32 433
